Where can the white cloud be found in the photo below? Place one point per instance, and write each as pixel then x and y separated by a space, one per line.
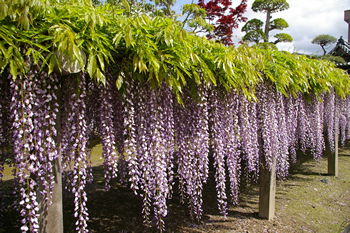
pixel 307 19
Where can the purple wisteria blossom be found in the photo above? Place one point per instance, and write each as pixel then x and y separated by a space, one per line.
pixel 74 145
pixel 291 111
pixel 106 128
pixel 25 161
pixel 268 123
pixel 316 116
pixel 219 142
pixel 347 115
pixel 33 108
pixel 149 119
pixel 118 124
pixel 282 158
pixel 233 146
pixel 249 133
pixel 306 138
pixel 130 143
pixel 192 140
pixel 45 108
pixel 152 141
pixel 341 104
pixel 329 114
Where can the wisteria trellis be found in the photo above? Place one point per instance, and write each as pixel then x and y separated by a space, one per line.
pixel 153 142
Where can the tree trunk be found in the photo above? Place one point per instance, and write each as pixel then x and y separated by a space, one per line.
pixel 267 25
pixel 324 51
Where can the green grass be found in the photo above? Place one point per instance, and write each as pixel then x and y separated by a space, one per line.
pixel 307 201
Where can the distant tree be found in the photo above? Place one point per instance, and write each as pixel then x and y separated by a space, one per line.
pixel 324 40
pixel 253 28
pixel 137 7
pixel 224 18
pixel 254 32
pixel 195 18
pixel 282 37
pixel 216 19
pixel 166 6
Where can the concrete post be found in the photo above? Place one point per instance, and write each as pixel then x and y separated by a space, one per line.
pixel 267 191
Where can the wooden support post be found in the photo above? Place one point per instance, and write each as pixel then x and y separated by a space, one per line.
pixel 51 216
pixel 333 158
pixel 267 191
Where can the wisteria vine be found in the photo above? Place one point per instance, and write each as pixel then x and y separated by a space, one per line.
pixel 152 141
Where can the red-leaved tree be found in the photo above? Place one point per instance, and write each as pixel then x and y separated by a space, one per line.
pixel 224 18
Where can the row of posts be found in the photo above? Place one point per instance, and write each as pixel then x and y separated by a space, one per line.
pixel 267 189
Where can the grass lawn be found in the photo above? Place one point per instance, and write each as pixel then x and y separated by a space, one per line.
pixel 308 201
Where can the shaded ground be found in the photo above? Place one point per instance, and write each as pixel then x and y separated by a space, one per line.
pixel 308 201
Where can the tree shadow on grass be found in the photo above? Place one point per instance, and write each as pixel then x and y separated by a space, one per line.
pixel 120 210
pixel 344 150
pixel 9 216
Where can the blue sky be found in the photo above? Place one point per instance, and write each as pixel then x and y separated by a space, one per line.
pixel 306 18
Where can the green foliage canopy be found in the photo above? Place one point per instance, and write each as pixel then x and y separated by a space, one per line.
pixel 149 49
pixel 254 32
pixel 282 37
pixel 279 24
pixel 271 6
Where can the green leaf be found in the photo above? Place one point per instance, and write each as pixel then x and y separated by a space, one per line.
pixel 91 66
pixel 13 69
pixel 117 38
pixel 126 5
pixel 52 64
pixel 119 81
pixel 100 76
pixel 101 61
pixel 78 56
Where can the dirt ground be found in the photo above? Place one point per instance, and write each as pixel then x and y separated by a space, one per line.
pixel 308 201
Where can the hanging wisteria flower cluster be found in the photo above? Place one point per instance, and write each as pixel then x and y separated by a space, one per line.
pixel 74 145
pixel 32 112
pixel 107 129
pixel 152 142
pixel 225 134
pixel 192 141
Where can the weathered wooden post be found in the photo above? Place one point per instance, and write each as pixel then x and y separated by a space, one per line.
pixel 51 216
pixel 267 191
pixel 333 157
